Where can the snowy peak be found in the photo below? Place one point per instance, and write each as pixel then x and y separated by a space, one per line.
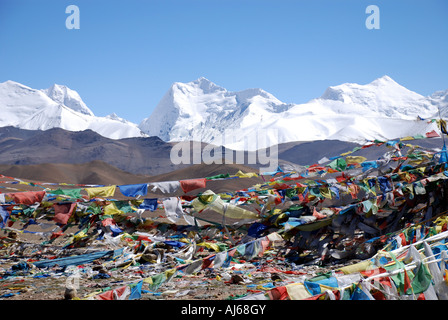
pixel 190 90
pixel 384 81
pixel 56 107
pixel 68 97
pixel 186 96
pixel 381 88
pixel 115 117
pixel 205 85
pixel 18 101
pixel 13 85
pixel 382 97
pixel 204 109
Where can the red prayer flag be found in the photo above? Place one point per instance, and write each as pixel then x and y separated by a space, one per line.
pixel 28 197
pixel 192 184
pixel 108 295
pixel 112 294
pixel 318 215
pixel 63 211
pixel 421 296
pixel 407 282
pixel 432 134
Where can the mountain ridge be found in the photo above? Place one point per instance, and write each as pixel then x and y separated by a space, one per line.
pixel 204 111
pixel 151 156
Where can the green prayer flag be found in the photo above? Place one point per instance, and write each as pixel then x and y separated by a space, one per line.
pixel 291 192
pixel 321 276
pixel 338 164
pixel 422 279
pixel 399 278
pixel 218 176
pixel 124 206
pixel 157 281
pixel 73 193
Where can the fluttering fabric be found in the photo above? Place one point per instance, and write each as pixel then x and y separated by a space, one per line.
pixel 134 190
pixel 75 260
pixel 192 184
pixel 209 200
pixel 5 216
pixel 63 211
pixel 173 208
pixel 95 192
pixel 149 204
pixel 73 193
pixel 28 197
pixel 165 186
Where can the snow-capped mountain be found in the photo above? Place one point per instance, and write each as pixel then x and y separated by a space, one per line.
pixel 201 110
pixel 57 106
pixel 382 97
pixel 70 98
pixel 248 119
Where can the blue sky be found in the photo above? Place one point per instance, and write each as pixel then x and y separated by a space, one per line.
pixel 126 54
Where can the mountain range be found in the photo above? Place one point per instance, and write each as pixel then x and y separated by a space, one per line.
pixel 202 110
pixel 382 109
pixel 64 156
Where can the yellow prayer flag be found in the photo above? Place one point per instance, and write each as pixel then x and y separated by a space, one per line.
pixel 101 191
pixel 209 245
pixel 357 267
pixel 112 209
pixel 297 291
pixel 354 159
pixel 169 273
pixel 325 192
pixel 241 174
pixel 421 169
